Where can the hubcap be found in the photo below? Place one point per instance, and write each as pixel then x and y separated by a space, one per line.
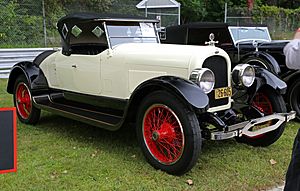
pixel 163 134
pixel 155 136
pixel 23 100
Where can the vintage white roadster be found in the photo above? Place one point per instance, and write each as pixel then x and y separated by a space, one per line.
pixel 114 70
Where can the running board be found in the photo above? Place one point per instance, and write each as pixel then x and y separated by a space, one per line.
pixel 89 116
pixel 243 128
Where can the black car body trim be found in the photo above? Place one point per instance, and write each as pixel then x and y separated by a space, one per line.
pixel 41 57
pixel 92 117
pixel 97 101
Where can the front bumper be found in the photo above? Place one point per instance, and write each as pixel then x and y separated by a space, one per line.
pixel 244 128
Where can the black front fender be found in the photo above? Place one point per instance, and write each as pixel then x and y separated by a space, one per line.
pixel 32 72
pixel 22 68
pixel 265 77
pixel 263 59
pixel 187 90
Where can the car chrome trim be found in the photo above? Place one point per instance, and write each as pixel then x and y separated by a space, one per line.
pixel 156 32
pixel 107 35
pixel 197 75
pixel 238 73
pixel 243 128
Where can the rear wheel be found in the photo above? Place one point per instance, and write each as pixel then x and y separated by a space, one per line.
pixel 26 111
pixel 293 97
pixel 168 133
pixel 267 101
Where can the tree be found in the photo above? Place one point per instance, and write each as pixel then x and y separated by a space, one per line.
pixel 17 26
pixel 192 10
pixel 290 4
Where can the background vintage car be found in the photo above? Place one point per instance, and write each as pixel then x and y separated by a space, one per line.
pixel 113 70
pixel 251 44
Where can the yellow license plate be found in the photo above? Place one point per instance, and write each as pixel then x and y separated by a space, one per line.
pixel 223 92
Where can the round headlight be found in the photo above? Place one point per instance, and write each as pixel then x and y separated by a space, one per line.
pixel 243 75
pixel 204 78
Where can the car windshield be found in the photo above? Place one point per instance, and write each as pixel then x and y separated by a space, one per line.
pixel 134 32
pixel 247 34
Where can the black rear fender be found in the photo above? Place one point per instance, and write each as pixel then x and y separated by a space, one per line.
pixel 185 90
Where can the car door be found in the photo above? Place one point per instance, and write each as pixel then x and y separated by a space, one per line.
pixel 86 74
pixel 79 73
pixel 64 72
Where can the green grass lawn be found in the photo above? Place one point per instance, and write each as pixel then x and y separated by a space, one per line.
pixel 61 154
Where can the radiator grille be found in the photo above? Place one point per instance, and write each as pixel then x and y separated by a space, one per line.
pixel 218 65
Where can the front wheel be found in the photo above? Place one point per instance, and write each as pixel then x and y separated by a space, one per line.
pixel 267 101
pixel 293 97
pixel 26 111
pixel 168 133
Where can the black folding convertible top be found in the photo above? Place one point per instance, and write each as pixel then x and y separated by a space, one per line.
pixel 197 33
pixel 202 25
pixel 87 22
pixel 74 18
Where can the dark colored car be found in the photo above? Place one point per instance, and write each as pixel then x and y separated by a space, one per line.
pixel 244 44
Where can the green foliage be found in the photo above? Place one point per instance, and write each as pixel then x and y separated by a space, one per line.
pixel 289 18
pixel 269 10
pixel 16 25
pixel 192 10
pixel 124 7
pixel 288 4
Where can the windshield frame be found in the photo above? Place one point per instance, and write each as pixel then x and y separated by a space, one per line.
pixel 235 40
pixel 109 37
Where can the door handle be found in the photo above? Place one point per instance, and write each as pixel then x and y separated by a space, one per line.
pixel 74 66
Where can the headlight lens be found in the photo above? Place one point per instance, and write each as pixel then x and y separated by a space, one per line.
pixel 204 78
pixel 243 75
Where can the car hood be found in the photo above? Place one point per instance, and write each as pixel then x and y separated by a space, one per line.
pixel 274 44
pixel 168 55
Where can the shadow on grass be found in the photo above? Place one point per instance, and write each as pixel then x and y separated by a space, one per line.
pixel 123 138
pixel 82 132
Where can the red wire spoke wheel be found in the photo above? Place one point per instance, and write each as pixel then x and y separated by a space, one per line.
pixel 267 101
pixel 27 112
pixel 262 102
pixel 264 105
pixel 168 132
pixel 23 100
pixel 163 134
